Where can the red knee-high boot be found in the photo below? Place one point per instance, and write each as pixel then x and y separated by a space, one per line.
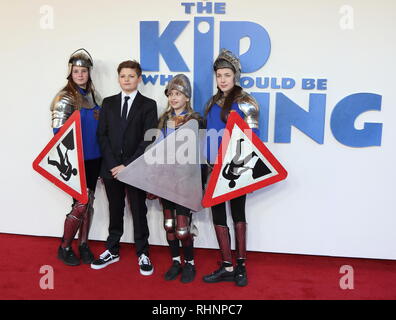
pixel 224 240
pixel 169 226
pixel 86 255
pixel 72 223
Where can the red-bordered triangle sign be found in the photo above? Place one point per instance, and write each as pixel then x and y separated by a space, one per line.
pixel 243 164
pixel 62 162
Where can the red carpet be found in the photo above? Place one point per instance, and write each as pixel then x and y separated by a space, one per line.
pixel 271 276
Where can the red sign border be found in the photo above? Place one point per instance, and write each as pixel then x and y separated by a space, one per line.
pixel 82 197
pixel 235 119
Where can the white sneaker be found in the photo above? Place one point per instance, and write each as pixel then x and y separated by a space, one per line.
pixel 146 268
pixel 104 260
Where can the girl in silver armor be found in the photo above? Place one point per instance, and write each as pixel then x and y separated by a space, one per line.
pixel 229 97
pixel 79 94
pixel 177 218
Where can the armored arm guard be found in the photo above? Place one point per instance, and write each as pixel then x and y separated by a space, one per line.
pixel 249 106
pixel 62 107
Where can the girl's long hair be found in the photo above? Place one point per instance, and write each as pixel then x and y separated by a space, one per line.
pixel 228 100
pixel 168 114
pixel 72 88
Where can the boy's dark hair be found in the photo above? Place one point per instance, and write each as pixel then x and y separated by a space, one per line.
pixel 131 64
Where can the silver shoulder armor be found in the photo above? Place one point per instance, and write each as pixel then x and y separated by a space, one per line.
pixel 250 109
pixel 98 98
pixel 62 107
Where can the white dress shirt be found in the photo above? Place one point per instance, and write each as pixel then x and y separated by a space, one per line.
pixel 131 96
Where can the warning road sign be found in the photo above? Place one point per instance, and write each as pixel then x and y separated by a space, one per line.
pixel 243 164
pixel 62 162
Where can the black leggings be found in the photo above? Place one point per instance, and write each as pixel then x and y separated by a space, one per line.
pixel 237 211
pixel 180 210
pixel 92 169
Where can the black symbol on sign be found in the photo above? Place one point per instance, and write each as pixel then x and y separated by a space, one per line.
pixel 64 166
pixel 233 170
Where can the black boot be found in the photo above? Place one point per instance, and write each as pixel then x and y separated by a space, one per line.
pixel 68 257
pixel 220 274
pixel 240 273
pixel 173 271
pixel 188 273
pixel 85 254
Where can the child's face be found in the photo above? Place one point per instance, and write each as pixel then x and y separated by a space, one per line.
pixel 177 100
pixel 80 76
pixel 225 79
pixel 128 80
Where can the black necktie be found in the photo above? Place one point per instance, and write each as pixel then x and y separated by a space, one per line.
pixel 125 109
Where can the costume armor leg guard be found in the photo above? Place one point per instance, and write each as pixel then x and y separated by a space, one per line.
pixel 86 254
pixel 87 220
pixel 169 225
pixel 171 236
pixel 184 235
pixel 240 244
pixel 224 240
pixel 169 220
pixel 72 223
pixel 85 226
pixel 240 240
pixel 183 228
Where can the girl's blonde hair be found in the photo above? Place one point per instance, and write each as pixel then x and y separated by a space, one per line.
pixel 168 113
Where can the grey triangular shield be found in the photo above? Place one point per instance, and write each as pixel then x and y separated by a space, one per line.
pixel 170 168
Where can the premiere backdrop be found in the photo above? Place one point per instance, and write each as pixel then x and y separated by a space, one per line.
pixel 322 71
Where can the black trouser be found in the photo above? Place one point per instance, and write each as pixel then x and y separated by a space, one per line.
pixel 237 211
pixel 115 191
